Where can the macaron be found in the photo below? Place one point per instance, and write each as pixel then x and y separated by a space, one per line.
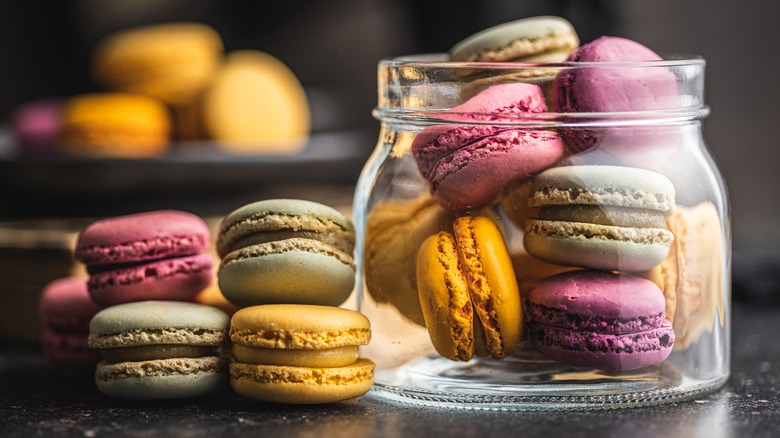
pixel 469 166
pixel 692 275
pixel 300 354
pixel 599 320
pixel 34 126
pixel 172 62
pixel 256 105
pixel 600 217
pixel 286 251
pixel 632 83
pixel 533 39
pixel 118 125
pixel 468 291
pixel 156 255
pixel 65 309
pixel 394 232
pixel 159 349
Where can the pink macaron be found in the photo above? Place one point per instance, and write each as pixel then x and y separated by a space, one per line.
pixel 65 308
pixel 628 81
pixel 600 320
pixel 147 256
pixel 469 166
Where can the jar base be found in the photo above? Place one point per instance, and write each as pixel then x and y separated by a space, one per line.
pixel 528 382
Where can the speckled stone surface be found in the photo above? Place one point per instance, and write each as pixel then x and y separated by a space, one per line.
pixel 38 400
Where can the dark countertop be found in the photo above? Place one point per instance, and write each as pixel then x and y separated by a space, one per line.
pixel 36 399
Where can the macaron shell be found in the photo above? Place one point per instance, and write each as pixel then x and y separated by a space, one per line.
pixel 491 278
pixel 299 326
pixel 272 215
pixel 597 246
pixel 69 348
pixel 231 113
pixel 114 125
pixel 619 88
pixel 140 237
pixel 603 185
pixel 601 351
pixel 161 379
pixel 292 271
pixel 302 385
pixel 475 175
pixel 521 40
pixel 444 298
pixel 394 232
pixel 157 317
pixel 65 304
pixel 598 294
pixel 169 61
pixel 693 273
pixel 180 278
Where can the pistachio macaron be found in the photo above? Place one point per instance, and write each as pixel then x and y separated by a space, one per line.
pixel 159 349
pixel 300 354
pixel 468 291
pixel 534 39
pixel 601 217
pixel 286 251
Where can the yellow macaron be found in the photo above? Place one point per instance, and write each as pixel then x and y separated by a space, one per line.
pixel 302 354
pixel 114 125
pixel 256 105
pixel 172 62
pixel 468 291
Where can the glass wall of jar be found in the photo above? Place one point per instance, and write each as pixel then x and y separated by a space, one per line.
pixel 519 249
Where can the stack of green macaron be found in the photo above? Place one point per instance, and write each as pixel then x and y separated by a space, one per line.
pixel 289 264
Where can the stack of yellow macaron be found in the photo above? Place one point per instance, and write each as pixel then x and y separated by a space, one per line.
pixel 289 264
pixel 302 354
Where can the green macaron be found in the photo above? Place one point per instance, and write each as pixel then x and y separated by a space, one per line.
pixel 159 349
pixel 286 251
pixel 601 217
pixel 533 39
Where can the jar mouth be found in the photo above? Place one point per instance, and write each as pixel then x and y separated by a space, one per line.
pixel 426 89
pixel 441 60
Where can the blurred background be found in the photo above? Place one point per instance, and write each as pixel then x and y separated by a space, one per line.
pixel 333 48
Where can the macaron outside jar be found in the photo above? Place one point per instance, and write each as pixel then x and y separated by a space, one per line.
pixel 527 239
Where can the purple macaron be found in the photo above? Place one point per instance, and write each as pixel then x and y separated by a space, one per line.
pixel 625 83
pixel 148 256
pixel 470 166
pixel 34 126
pixel 600 320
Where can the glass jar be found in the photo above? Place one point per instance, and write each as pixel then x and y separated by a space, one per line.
pixel 649 328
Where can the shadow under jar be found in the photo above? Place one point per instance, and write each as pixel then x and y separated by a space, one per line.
pixel 543 236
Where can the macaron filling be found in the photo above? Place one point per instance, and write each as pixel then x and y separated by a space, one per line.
pixel 287 245
pixel 604 215
pixel 340 239
pixel 609 325
pixel 329 357
pixel 155 352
